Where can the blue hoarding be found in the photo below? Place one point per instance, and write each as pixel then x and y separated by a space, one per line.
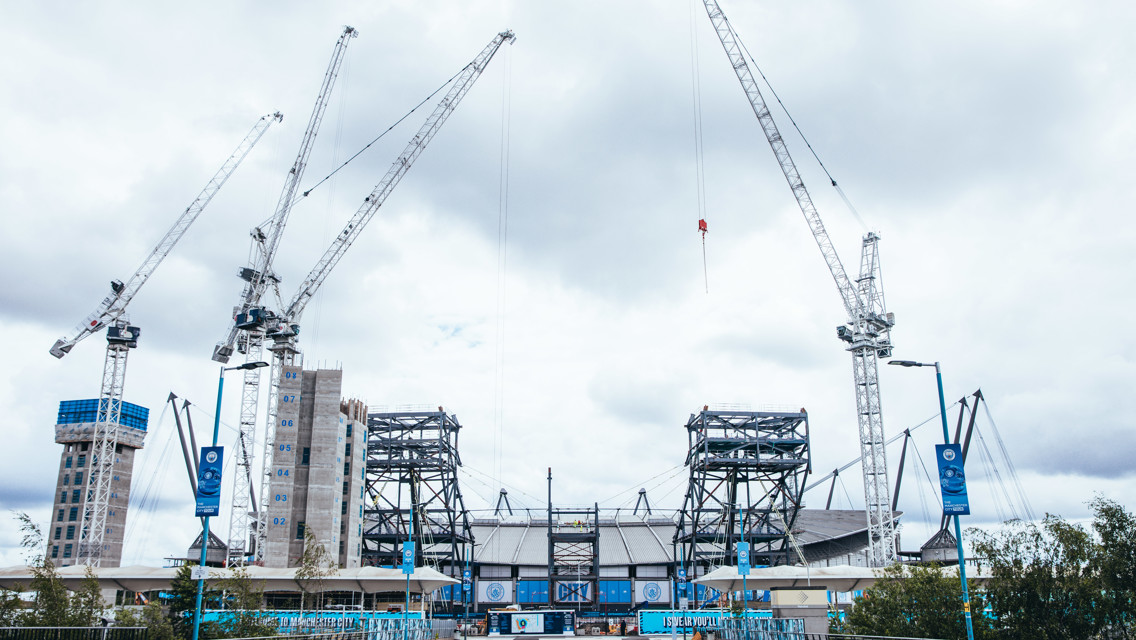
pixel 659 622
pixel 952 479
pixel 209 481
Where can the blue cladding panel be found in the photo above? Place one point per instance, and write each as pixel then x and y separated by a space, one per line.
pixel 532 591
pixel 615 591
pixel 79 411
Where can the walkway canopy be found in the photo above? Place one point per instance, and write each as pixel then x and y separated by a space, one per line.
pixel 836 578
pixel 139 578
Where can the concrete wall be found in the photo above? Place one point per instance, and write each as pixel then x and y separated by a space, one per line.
pixel 315 486
pixel 77 441
pixel 286 456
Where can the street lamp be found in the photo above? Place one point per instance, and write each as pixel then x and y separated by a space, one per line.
pixel 205 519
pixel 958 527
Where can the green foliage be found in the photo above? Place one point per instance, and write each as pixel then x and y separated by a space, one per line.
pixel 151 616
pixel 11 606
pixel 244 598
pixel 51 604
pixel 1057 580
pixel 183 602
pixel 316 565
pixel 87 605
pixel 914 602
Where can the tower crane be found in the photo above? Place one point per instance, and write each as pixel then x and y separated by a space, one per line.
pixel 867 331
pixel 283 328
pixel 247 330
pixel 121 338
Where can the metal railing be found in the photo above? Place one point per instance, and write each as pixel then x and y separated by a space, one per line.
pixel 73 633
pixel 784 629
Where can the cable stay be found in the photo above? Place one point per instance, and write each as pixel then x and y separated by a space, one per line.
pixel 358 153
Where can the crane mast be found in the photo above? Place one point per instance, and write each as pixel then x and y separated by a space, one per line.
pixel 284 328
pixel 121 338
pixel 246 333
pixel 867 331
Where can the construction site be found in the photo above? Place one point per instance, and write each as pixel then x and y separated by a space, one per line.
pixel 380 483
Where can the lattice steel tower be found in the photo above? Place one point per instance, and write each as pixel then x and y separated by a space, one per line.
pixel 412 468
pixel 747 472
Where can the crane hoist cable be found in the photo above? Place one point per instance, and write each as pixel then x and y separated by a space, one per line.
pixel 699 164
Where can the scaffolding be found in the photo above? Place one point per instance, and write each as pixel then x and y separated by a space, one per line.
pixel 747 472
pixel 411 472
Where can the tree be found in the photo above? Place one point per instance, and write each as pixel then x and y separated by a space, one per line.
pixel 11 606
pixel 244 598
pixel 87 605
pixel 1042 582
pixel 1116 564
pixel 156 621
pixel 914 601
pixel 1058 580
pixel 183 601
pixel 316 566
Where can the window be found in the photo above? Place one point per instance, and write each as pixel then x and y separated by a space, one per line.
pixel 346 469
pixel 67 479
pixel 300 531
pixel 67 463
pixel 83 446
pixel 307 455
pixel 55 551
pixel 344 488
pixel 82 462
pixel 63 497
pixel 74 515
pixel 349 434
pixel 66 551
pixel 70 532
pixel 342 511
pixel 347 450
pixel 340 547
pixel 60 518
pixel 78 477
pixel 58 532
pixel 75 495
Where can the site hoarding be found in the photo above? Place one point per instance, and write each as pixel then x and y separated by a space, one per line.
pixel 653 622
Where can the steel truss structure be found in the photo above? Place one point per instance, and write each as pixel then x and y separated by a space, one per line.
pixel 573 554
pixel 747 472
pixel 412 472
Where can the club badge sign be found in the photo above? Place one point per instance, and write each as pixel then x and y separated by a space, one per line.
pixel 952 480
pixel 209 482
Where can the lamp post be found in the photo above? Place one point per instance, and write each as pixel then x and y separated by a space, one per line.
pixel 205 519
pixel 958 527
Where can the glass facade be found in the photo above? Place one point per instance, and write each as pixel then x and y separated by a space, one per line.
pixel 79 411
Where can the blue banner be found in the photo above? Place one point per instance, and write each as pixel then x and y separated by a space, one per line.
pixel 322 621
pixel 209 482
pixel 952 479
pixel 743 558
pixel 408 557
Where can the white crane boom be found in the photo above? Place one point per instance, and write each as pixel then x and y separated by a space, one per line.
pixel 246 333
pixel 284 328
pixel 398 169
pixel 114 305
pixel 266 238
pixel 121 337
pixel 867 330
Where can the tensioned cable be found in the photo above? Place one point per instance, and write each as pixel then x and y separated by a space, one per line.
pixel 988 462
pixel 919 457
pixel 799 132
pixel 377 138
pixel 1026 507
pixel 502 249
pixel 640 484
pixel 699 165
pixel 825 478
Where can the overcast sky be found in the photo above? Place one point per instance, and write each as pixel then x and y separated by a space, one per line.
pixel 990 144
